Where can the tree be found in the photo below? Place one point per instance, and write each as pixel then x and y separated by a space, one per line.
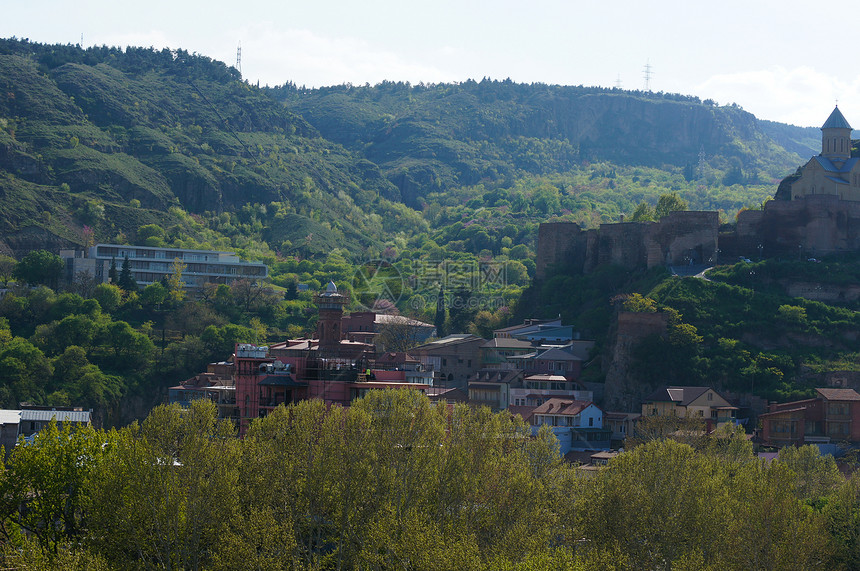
pixel 113 276
pixel 643 213
pixel 669 203
pixel 109 296
pixel 151 235
pixel 126 279
pixel 153 295
pixel 167 492
pixel 46 480
pixel 7 268
pixel 40 267
pixel 176 287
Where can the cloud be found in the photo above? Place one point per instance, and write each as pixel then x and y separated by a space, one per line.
pixel 304 57
pixel 801 96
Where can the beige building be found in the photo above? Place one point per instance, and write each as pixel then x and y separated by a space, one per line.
pixel 694 402
pixel 834 172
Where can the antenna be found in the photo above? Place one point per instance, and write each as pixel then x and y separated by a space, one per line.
pixel 239 58
pixel 618 82
pixel 647 73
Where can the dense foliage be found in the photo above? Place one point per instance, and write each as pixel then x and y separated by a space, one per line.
pixel 394 482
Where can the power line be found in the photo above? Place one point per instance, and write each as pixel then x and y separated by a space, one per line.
pixel 647 73
pixel 239 58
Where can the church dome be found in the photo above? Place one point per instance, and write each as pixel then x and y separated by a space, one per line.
pixel 836 120
pixel 331 288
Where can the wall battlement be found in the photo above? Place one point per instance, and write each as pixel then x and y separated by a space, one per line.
pixel 805 227
pixel 680 238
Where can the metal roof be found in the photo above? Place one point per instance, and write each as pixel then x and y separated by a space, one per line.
pixel 60 415
pixel 836 120
pixel 10 416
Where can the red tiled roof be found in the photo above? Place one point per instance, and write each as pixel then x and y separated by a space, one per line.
pixel 523 411
pixel 838 394
pixel 562 406
pixel 776 412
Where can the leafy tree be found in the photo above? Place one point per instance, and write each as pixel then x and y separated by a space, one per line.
pixel 643 213
pixel 24 372
pixel 175 285
pixel 7 268
pixel 153 295
pixel 668 203
pixel 49 478
pixel 151 235
pixel 40 267
pixel 109 296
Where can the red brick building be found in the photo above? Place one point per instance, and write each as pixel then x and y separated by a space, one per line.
pixel 329 367
pixel 832 416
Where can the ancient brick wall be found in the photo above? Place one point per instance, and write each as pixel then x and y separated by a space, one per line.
pixel 683 237
pixel 555 242
pixel 811 226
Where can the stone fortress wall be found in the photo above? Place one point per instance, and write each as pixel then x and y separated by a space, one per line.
pixel 807 227
pixel 678 239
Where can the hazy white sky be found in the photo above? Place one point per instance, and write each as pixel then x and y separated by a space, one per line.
pixel 782 60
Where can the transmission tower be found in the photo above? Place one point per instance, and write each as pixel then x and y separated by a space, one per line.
pixel 647 73
pixel 702 163
pixel 239 58
pixel 618 82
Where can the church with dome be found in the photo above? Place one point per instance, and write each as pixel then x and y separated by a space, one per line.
pixel 815 212
pixel 834 172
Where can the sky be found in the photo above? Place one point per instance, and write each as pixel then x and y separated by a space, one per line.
pixel 781 60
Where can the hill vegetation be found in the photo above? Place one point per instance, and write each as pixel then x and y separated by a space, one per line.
pixel 442 185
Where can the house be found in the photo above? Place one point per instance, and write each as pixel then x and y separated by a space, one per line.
pixel 695 402
pixel 405 367
pixel 578 425
pixel 528 326
pixel 492 387
pixel 832 416
pixel 445 395
pixel 150 264
pixel 9 421
pixel 622 425
pixel 386 331
pixel 35 418
pixel 501 352
pixel 552 361
pixel 454 358
pixel 216 384
pixel 534 390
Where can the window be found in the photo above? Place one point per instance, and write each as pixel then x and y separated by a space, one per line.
pixel 710 395
pixel 591 421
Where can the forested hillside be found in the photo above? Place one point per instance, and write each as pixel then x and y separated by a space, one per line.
pixel 432 137
pixel 116 139
pixel 445 184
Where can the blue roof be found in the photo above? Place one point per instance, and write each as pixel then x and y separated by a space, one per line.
pixel 828 165
pixel 836 180
pixel 836 120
